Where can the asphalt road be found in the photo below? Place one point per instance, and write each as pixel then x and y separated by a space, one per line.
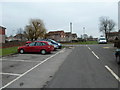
pixel 80 66
pixel 88 66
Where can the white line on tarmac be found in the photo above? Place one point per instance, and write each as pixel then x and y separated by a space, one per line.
pixel 95 55
pixel 19 60
pixel 93 52
pixel 110 70
pixel 30 70
pixel 10 74
pixel 89 48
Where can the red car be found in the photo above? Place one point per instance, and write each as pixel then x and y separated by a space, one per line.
pixel 38 46
pixel 28 42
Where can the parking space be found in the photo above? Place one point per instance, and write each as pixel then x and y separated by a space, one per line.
pixel 15 65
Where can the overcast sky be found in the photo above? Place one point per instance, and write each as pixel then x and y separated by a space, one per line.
pixel 58 15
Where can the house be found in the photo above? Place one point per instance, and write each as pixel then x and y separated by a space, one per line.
pixel 74 36
pixel 113 35
pixel 56 35
pixel 68 36
pixel 10 38
pixel 19 37
pixel 2 34
pixel 61 36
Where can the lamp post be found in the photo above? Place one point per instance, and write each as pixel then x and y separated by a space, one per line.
pixel 83 32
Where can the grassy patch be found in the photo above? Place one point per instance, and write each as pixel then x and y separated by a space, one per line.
pixel 7 51
pixel 87 42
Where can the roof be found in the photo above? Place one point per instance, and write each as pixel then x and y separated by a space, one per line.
pixel 114 33
pixel 53 32
pixel 2 27
pixel 67 32
pixel 74 34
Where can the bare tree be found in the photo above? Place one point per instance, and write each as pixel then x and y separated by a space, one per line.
pixel 35 29
pixel 106 25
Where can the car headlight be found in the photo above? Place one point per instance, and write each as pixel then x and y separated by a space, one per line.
pixel 59 44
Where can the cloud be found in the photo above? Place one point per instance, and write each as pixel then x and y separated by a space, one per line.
pixel 58 15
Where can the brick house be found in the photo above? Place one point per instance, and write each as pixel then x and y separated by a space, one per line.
pixel 2 34
pixel 113 35
pixel 61 36
pixel 68 36
pixel 56 35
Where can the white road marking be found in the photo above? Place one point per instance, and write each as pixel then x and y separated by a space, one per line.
pixel 19 60
pixel 110 70
pixel 95 55
pixel 30 70
pixel 106 47
pixel 62 51
pixel 89 48
pixel 10 74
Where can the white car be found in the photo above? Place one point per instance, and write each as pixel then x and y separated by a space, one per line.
pixel 102 40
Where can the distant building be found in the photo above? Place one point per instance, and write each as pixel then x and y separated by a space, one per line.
pixel 61 36
pixel 2 34
pixel 85 36
pixel 113 35
pixel 74 36
pixel 68 36
pixel 19 37
pixel 56 35
pixel 10 38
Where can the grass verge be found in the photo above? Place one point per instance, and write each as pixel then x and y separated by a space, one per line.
pixel 7 51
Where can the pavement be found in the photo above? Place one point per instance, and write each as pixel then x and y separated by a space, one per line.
pixel 79 66
pixel 88 66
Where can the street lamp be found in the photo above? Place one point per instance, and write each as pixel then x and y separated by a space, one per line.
pixel 83 32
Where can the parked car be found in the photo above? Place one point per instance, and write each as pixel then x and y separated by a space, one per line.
pixel 56 44
pixel 102 40
pixel 28 42
pixel 42 47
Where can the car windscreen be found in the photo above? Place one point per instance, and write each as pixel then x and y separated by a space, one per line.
pixel 102 39
pixel 53 41
pixel 50 43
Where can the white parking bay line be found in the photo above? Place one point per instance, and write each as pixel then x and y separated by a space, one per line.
pixel 110 70
pixel 19 60
pixel 95 55
pixel 12 74
pixel 30 70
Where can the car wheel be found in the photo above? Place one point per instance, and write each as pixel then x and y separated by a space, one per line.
pixel 118 60
pixel 43 52
pixel 21 51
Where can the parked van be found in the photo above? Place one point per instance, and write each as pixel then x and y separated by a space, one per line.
pixel 102 40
